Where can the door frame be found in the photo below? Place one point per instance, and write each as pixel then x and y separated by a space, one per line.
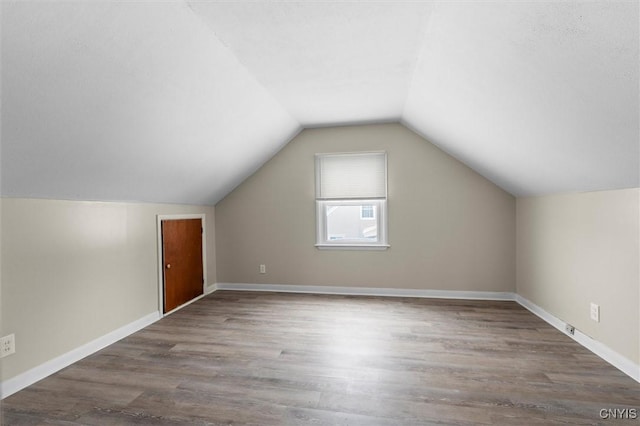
pixel 159 219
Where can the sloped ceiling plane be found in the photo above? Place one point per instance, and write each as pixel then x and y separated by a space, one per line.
pixel 180 101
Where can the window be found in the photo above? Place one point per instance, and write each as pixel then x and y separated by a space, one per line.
pixel 368 212
pixel 351 200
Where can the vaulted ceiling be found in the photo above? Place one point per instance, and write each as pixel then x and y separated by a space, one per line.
pixel 179 101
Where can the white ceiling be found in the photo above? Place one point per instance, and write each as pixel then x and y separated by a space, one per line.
pixel 326 62
pixel 180 101
pixel 538 97
pixel 128 101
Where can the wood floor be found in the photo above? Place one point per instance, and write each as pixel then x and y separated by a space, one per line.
pixel 293 359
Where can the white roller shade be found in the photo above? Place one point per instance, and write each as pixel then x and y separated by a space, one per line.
pixel 357 175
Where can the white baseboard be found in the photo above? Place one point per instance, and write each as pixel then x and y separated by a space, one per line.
pixel 368 291
pixel 622 363
pixel 21 381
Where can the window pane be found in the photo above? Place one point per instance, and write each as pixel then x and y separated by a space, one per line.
pixel 349 223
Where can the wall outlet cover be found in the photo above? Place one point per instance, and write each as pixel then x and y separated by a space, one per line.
pixel 7 345
pixel 595 312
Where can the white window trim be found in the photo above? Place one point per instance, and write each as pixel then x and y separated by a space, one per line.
pixel 380 217
pixel 352 247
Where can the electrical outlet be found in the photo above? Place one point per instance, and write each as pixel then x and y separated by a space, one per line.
pixel 263 269
pixel 7 345
pixel 595 312
pixel 570 329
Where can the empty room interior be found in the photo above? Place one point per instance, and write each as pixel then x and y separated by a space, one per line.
pixel 327 213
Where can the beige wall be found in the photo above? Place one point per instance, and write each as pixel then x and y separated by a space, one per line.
pixel 581 248
pixel 449 228
pixel 74 271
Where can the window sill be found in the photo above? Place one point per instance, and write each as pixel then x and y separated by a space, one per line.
pixel 352 246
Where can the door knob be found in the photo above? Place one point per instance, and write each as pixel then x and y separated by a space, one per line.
pixel 168 266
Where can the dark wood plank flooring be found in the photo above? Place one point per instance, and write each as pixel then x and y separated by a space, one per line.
pixel 278 359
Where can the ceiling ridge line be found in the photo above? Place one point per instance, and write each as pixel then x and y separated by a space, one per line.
pixel 426 25
pixel 212 30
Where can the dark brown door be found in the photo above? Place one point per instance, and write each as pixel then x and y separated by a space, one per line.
pixel 182 257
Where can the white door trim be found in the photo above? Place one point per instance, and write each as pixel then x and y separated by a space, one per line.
pixel 159 219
